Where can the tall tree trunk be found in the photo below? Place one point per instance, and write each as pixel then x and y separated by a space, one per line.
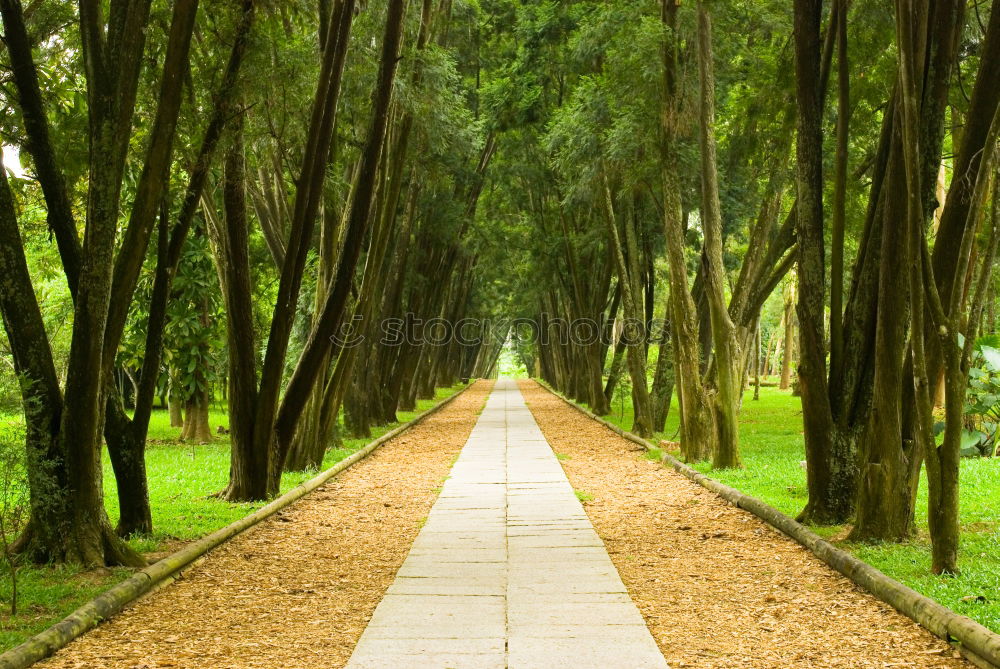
pixel 254 471
pixel 830 464
pixel 126 438
pixel 887 496
pixel 789 337
pixel 884 510
pixel 756 364
pixel 633 331
pixel 277 428
pixel 727 348
pixel 839 218
pixel 663 376
pixel 697 421
pixel 232 241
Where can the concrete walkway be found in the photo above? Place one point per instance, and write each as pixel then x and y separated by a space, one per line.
pixel 507 571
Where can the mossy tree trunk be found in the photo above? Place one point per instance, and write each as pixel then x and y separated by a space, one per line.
pixel 891 454
pixel 788 323
pixel 633 332
pixel 728 360
pixel 697 421
pixel 65 426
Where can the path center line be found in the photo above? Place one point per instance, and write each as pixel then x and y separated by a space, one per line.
pixel 508 570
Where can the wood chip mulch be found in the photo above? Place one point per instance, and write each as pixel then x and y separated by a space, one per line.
pixel 717 586
pixel 298 589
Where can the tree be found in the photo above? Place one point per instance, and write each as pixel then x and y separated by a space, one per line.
pixel 65 423
pixel 730 373
pixel 126 436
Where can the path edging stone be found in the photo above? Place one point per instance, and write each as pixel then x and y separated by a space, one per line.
pixel 116 598
pixel 977 643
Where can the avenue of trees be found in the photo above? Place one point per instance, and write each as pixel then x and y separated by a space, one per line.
pixel 222 199
pixel 692 162
pixel 230 198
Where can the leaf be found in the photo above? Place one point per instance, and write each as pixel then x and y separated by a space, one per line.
pixel 971 441
pixel 992 357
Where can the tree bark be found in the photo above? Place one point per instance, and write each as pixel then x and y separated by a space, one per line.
pixel 728 367
pixel 126 440
pixel 633 330
pixel 830 471
pixel 254 472
pixel 891 453
pixel 663 377
pixel 788 322
pixel 697 422
pixel 319 345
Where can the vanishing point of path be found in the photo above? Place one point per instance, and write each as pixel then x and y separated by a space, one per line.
pixel 504 568
pixel 508 571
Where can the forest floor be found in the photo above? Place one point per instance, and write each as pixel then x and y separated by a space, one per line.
pixel 717 586
pixel 182 480
pixel 773 448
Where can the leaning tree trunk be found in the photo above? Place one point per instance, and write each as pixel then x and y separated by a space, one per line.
pixel 255 470
pixel 633 332
pixel 663 378
pixel 275 425
pixel 697 421
pixel 728 365
pixel 126 437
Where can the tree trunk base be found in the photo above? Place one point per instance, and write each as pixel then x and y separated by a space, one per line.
pixel 815 515
pixel 240 492
pixel 94 546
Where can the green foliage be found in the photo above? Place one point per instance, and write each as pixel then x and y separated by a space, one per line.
pixel 14 507
pixel 194 334
pixel 511 364
pixel 982 402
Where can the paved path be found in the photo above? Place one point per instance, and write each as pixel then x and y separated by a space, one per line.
pixel 507 571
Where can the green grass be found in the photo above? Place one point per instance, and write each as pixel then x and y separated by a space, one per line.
pixel 182 481
pixel 772 447
pixel 583 495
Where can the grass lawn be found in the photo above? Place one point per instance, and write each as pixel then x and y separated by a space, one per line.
pixel 772 447
pixel 182 479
